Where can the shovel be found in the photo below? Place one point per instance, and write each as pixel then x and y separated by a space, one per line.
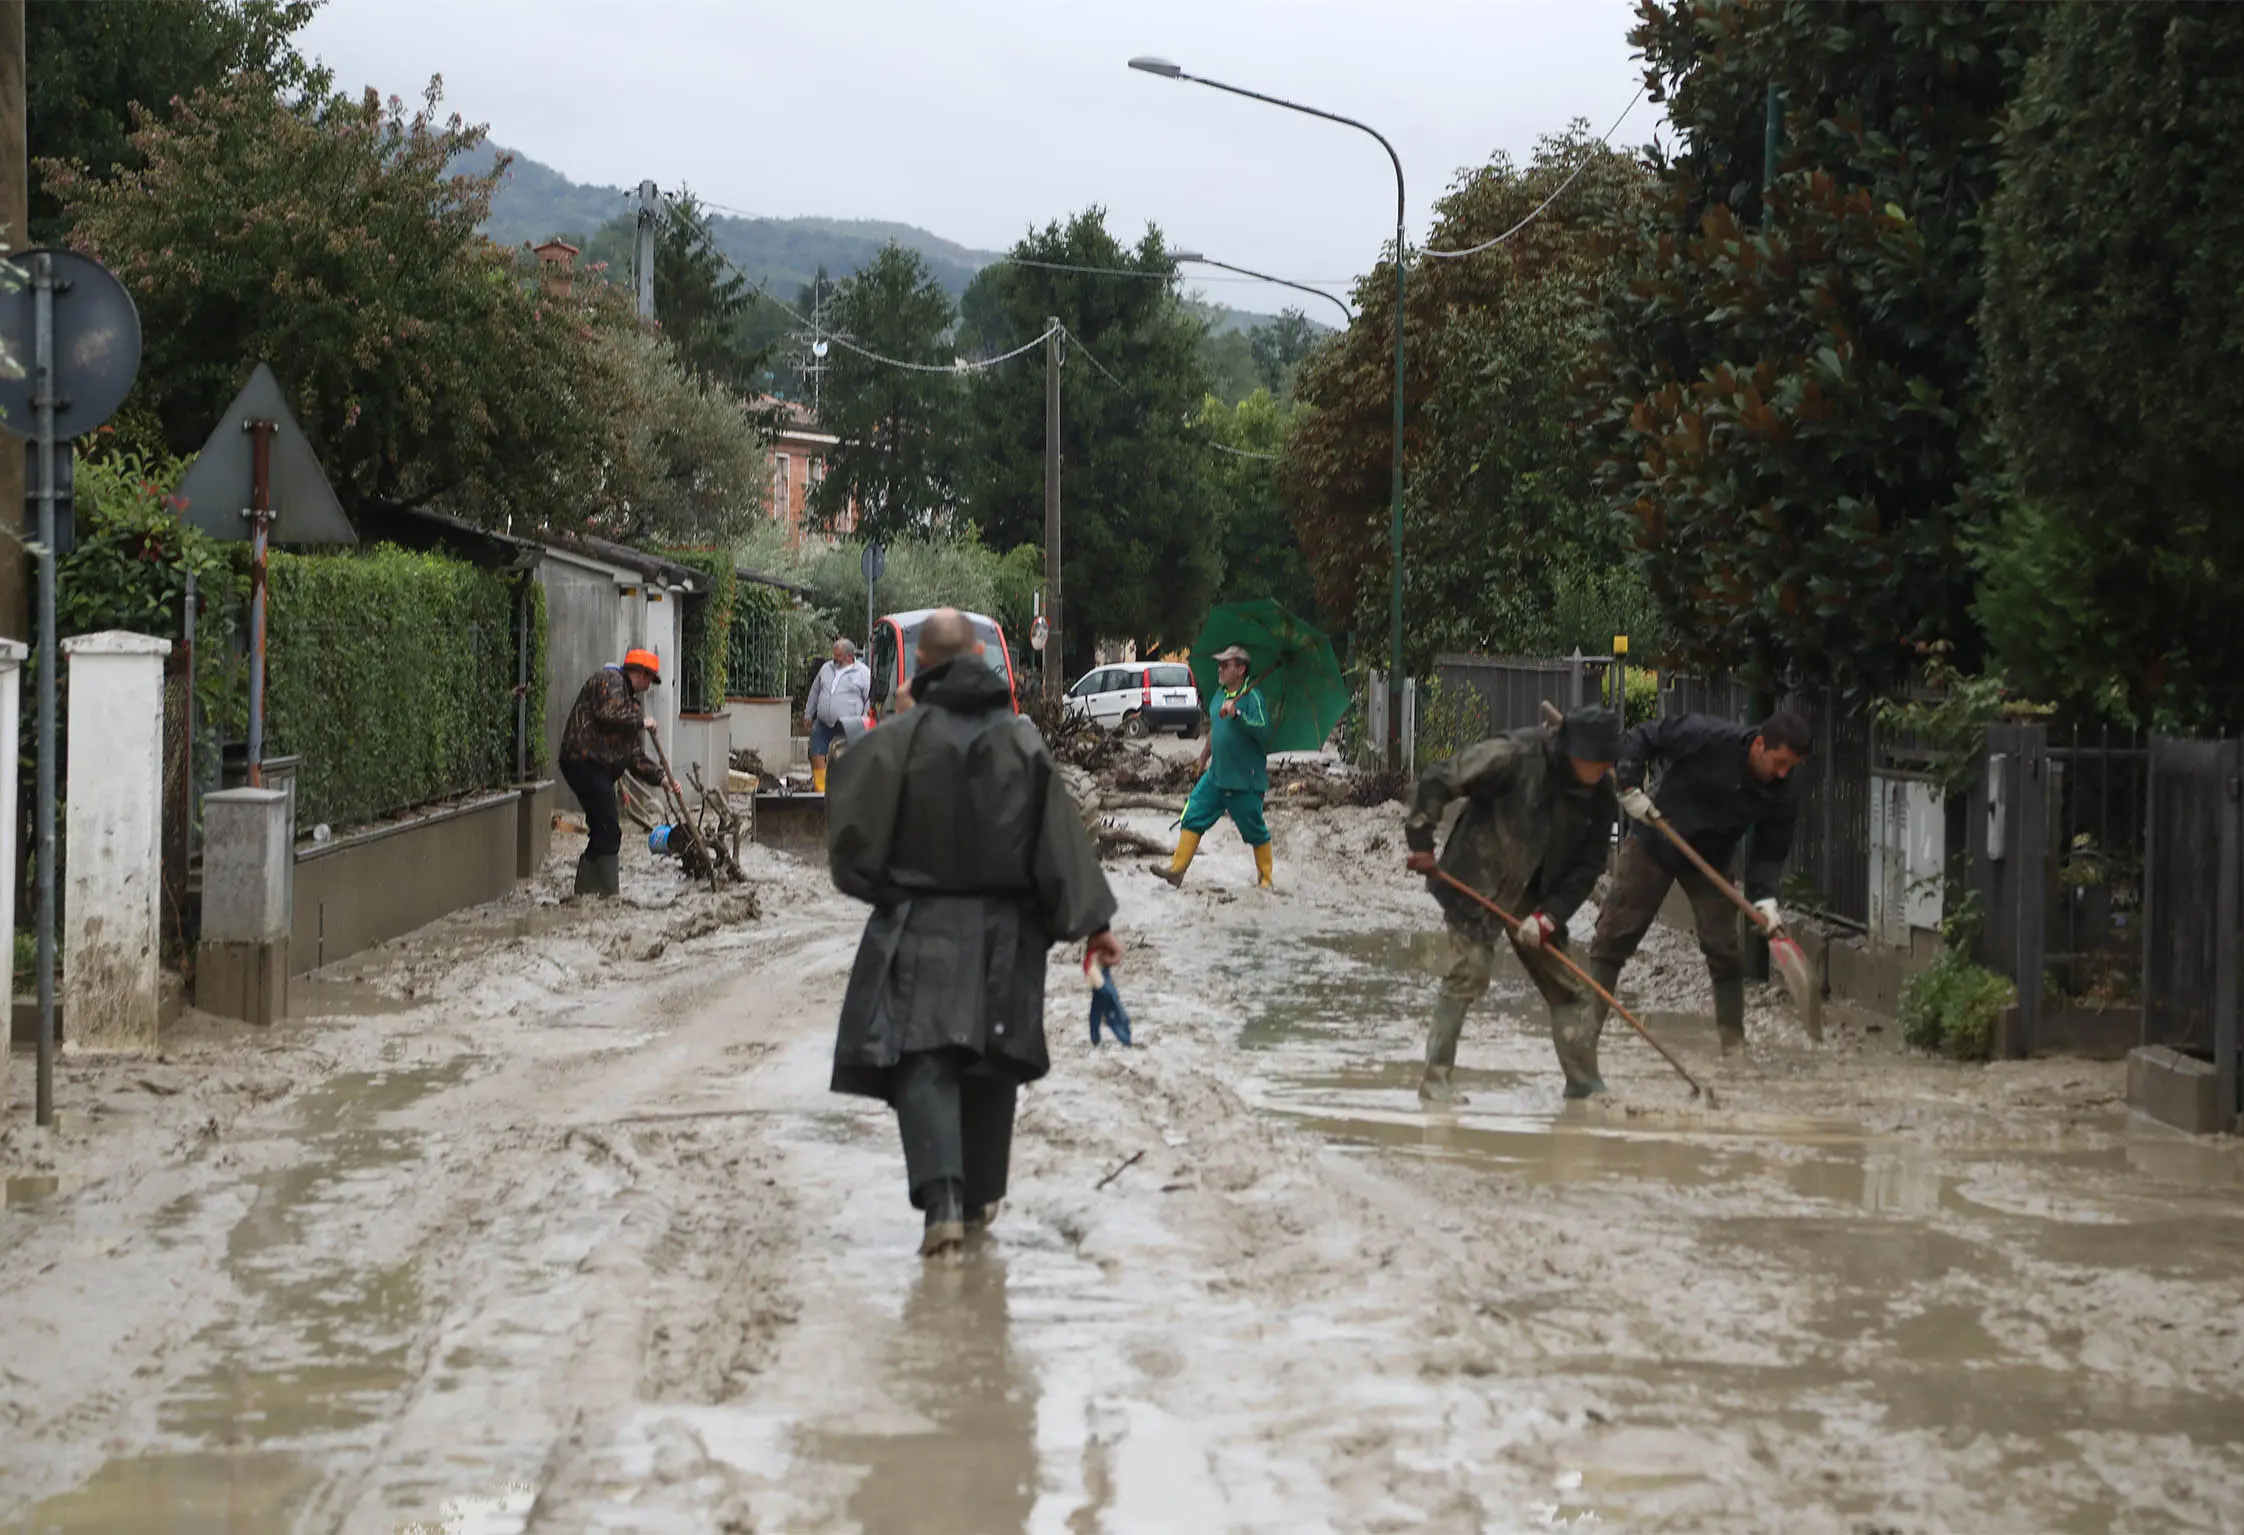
pixel 1785 953
pixel 1583 976
pixel 675 800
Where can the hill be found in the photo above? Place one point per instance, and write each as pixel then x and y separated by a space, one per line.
pixel 536 201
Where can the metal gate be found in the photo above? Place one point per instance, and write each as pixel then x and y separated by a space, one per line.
pixel 2193 904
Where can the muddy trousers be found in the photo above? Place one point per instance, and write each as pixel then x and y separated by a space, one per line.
pixel 1472 965
pixel 1640 884
pixel 955 1124
pixel 595 789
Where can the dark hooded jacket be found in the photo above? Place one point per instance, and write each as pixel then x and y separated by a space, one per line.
pixel 1532 837
pixel 952 822
pixel 1708 793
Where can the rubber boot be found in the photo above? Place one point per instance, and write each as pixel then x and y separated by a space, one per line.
pixel 945 1203
pixel 608 880
pixel 1729 1014
pixel 817 780
pixel 1262 865
pixel 1188 844
pixel 588 878
pixel 1607 973
pixel 1441 1052
pixel 982 1217
pixel 1574 1030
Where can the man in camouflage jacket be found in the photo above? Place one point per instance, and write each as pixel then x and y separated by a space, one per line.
pixel 1533 835
pixel 599 744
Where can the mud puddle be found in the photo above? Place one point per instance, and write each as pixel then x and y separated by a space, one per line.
pixel 305 1372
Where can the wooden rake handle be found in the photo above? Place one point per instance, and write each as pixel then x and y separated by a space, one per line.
pixel 1737 897
pixel 1583 976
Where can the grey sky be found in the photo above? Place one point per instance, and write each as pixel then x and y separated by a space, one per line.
pixel 978 118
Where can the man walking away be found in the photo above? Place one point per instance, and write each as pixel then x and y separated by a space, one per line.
pixel 1234 773
pixel 839 696
pixel 599 744
pixel 1533 836
pixel 952 823
pixel 1719 782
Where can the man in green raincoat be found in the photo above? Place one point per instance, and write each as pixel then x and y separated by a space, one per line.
pixel 1535 831
pixel 1234 772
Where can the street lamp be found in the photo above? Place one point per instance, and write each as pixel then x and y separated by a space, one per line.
pixel 1169 71
pixel 1196 259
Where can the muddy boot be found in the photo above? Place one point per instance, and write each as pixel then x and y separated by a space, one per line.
pixel 1607 973
pixel 1729 1015
pixel 606 875
pixel 1574 1030
pixel 945 1203
pixel 1441 1053
pixel 1188 844
pixel 588 878
pixel 982 1217
pixel 1262 869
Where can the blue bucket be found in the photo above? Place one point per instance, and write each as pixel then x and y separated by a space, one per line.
pixel 658 841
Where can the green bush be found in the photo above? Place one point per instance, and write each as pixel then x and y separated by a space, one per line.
pixel 392 674
pixel 708 629
pixel 1952 1006
pixel 1449 720
pixel 1643 688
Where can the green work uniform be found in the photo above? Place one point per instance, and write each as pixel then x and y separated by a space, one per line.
pixel 1238 772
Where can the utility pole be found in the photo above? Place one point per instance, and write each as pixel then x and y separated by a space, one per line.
pixel 1055 645
pixel 15 214
pixel 643 250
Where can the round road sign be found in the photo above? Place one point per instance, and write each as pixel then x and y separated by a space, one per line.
pixel 1039 632
pixel 97 344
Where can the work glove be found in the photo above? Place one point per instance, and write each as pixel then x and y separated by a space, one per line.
pixel 1639 805
pixel 1422 862
pixel 1769 915
pixel 648 724
pixel 1106 1002
pixel 1535 931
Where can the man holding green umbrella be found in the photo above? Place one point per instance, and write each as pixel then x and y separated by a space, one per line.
pixel 1234 771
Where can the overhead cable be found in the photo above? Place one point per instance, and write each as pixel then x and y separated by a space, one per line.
pixel 1605 142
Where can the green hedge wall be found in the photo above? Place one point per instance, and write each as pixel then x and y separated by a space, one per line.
pixel 708 630
pixel 392 674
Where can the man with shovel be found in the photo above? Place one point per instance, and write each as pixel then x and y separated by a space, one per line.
pixel 1533 836
pixel 599 744
pixel 1718 783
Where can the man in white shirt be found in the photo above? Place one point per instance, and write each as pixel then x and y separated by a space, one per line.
pixel 840 696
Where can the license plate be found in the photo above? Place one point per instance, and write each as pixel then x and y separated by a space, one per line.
pixel 1176 698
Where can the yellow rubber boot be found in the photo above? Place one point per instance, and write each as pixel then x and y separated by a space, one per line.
pixel 818 780
pixel 1262 867
pixel 1188 843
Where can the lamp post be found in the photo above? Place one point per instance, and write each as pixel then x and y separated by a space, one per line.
pixel 1194 258
pixel 1169 71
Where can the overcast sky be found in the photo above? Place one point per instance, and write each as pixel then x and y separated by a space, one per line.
pixel 976 119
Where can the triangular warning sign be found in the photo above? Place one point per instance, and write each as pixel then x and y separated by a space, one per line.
pixel 216 489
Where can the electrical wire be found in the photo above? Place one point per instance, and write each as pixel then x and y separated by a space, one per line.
pixel 1086 351
pixel 1546 202
pixel 1243 453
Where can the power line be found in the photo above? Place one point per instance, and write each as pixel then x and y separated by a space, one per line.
pixel 1086 351
pixel 1243 453
pixel 960 365
pixel 1605 142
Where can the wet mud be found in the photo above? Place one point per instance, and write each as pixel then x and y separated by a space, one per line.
pixel 532 1223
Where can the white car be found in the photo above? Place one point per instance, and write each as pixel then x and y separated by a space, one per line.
pixel 1138 698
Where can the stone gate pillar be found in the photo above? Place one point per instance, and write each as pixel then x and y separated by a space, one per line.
pixel 113 847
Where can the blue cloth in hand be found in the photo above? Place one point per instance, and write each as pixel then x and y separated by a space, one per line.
pixel 1106 1008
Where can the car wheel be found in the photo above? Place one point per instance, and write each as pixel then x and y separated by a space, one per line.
pixel 1135 727
pixel 1190 732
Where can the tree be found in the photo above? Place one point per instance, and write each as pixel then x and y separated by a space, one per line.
pixel 1786 395
pixel 421 361
pixel 1502 523
pixel 2113 305
pixel 1259 553
pixel 897 461
pixel 1228 355
pixel 1138 513
pixel 1279 348
pixel 681 462
pixel 701 300
pixel 87 67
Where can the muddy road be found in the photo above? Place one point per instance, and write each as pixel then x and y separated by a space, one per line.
pixel 545 1222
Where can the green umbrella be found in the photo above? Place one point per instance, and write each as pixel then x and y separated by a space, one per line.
pixel 1289 660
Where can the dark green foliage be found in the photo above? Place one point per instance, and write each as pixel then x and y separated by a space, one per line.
pixel 1140 525
pixel 86 66
pixel 1786 398
pixel 1260 552
pixel 1953 1005
pixel 897 463
pixel 708 629
pixel 701 302
pixel 392 675
pixel 1280 347
pixel 2114 306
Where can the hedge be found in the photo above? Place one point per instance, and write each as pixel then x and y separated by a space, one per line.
pixel 392 675
pixel 707 639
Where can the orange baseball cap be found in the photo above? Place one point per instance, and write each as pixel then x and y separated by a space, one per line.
pixel 647 661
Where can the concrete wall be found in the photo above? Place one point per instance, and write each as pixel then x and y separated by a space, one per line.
pixel 583 615
pixel 367 887
pixel 765 726
pixel 704 741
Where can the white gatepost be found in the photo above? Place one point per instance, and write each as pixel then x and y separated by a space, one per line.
pixel 12 654
pixel 113 848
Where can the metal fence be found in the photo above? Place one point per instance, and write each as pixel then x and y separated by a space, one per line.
pixel 2193 904
pixel 1512 689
